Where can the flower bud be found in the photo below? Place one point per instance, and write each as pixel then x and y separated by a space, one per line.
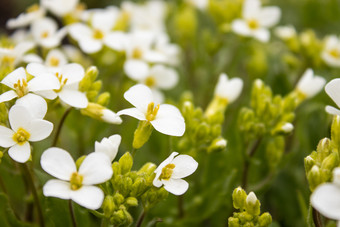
pixel 201 131
pixel 314 177
pixel 103 98
pixel 142 134
pixel 217 145
pixel 335 132
pixel 118 198
pixel 125 163
pixel 90 75
pixel 265 220
pixel 309 163
pixel 233 222
pixel 108 205
pixel 101 113
pixel 239 198
pixel 252 204
pixel 131 201
pixel 147 168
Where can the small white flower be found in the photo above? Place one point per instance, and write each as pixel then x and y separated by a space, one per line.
pixel 165 118
pixel 332 89
pixel 171 170
pixel 310 84
pixel 109 146
pixel 331 51
pixel 326 197
pixel 32 13
pixel 155 77
pixel 74 184
pixel 256 20
pixel 60 7
pixel 228 89
pixel 285 32
pixel 24 129
pixel 15 55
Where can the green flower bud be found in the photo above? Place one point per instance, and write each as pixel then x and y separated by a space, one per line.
pixel 335 132
pixel 118 198
pixel 115 168
pixel 142 134
pixel 118 218
pixel 80 160
pixel 108 205
pixel 138 187
pixel 239 198
pixel 187 109
pixel 314 177
pixel 125 163
pixel 309 163
pixel 217 145
pixel 131 201
pixel 323 149
pixel 90 75
pixel 233 222
pixel 128 217
pixel 265 219
pixel 252 204
pixel 103 98
pixel 127 185
pixel 201 131
pixel 327 166
pixel 97 85
pixel 147 168
pixel 245 217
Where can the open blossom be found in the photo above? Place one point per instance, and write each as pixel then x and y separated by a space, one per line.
pixel 332 89
pixel 310 84
pixel 164 118
pixel 228 89
pixel 285 32
pixel 331 51
pixel 108 146
pixel 16 54
pixel 60 7
pixel 171 171
pixel 32 13
pixel 326 197
pixel 24 129
pixel 256 20
pixel 76 184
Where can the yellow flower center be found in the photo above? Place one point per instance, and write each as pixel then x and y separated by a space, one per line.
pixel 150 81
pixel 21 136
pixel 54 61
pixel 97 34
pixel 61 80
pixel 334 53
pixel 44 34
pixel 21 87
pixel 137 53
pixel 152 111
pixel 76 181
pixel 253 24
pixel 7 60
pixel 167 172
pixel 32 8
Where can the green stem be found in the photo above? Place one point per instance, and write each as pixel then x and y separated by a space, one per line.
pixel 61 123
pixel 141 218
pixel 180 206
pixel 35 194
pixel 73 218
pixel 2 185
pixel 317 218
pixel 133 152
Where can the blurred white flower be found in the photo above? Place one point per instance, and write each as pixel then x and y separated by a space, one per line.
pixel 256 20
pixel 310 84
pixel 16 54
pixel 32 13
pixel 165 118
pixel 331 52
pixel 332 88
pixel 74 184
pixel 24 129
pixel 108 146
pixel 171 171
pixel 285 32
pixel 228 89
pixel 60 7
pixel 200 4
pixel 155 77
pixel 326 197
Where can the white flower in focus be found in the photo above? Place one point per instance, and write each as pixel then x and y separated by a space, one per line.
pixel 74 184
pixel 24 129
pixel 285 32
pixel 45 32
pixel 32 13
pixel 256 20
pixel 15 55
pixel 171 171
pixel 228 89
pixel 108 146
pixel 310 84
pixel 333 90
pixel 155 77
pixel 331 51
pixel 165 118
pixel 60 7
pixel 326 197
pixel 68 76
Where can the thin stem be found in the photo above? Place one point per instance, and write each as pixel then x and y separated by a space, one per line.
pixel 61 123
pixel 180 206
pixel 317 218
pixel 247 162
pixel 35 194
pixel 141 218
pixel 133 152
pixel 2 185
pixel 73 218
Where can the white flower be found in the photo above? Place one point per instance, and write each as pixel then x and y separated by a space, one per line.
pixel 68 76
pixel 256 20
pixel 331 51
pixel 310 84
pixel 285 32
pixel 228 89
pixel 45 32
pixel 24 128
pixel 171 170
pixel 108 146
pixel 155 77
pixel 74 184
pixel 332 89
pixel 326 197
pixel 60 7
pixel 15 55
pixel 164 118
pixel 200 4
pixel 32 13
pixel 91 39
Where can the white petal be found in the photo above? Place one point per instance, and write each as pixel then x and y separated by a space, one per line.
pixel 19 117
pixel 109 146
pixel 333 90
pixel 166 78
pixel 13 77
pixel 39 129
pixel 156 182
pixel 136 69
pixel 133 112
pixel 251 8
pixel 90 197
pixel 167 161
pixel 73 98
pixel 240 27
pixel 6 138
pixel 8 95
pixel 96 168
pixel 58 163
pixel 35 104
pixel 44 82
pixel 176 186
pixel 310 84
pixel 185 165
pixel 332 110
pixel 140 96
pixel 169 121
pixel 111 117
pixel 37 69
pixel 262 35
pixel 157 95
pixel 90 45
pixel 20 153
pixel 47 94
pixel 326 200
pixel 57 188
pixel 269 16
pixel 73 72
pixel 116 40
pixel 78 31
pixel 56 54
pixel 30 58
pixel 228 89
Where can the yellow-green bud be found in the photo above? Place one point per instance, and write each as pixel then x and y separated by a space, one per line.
pixel 80 160
pixel 142 134
pixel 103 98
pixel 239 198
pixel 335 132
pixel 323 149
pixel 252 204
pixel 187 109
pixel 118 217
pixel 327 166
pixel 233 222
pixel 245 217
pixel 131 201
pixel 118 198
pixel 314 177
pixel 309 163
pixel 147 168
pixel 138 187
pixel 217 145
pixel 265 219
pixel 97 85
pixel 115 168
pixel 108 205
pixel 201 131
pixel 127 185
pixel 90 75
pixel 125 163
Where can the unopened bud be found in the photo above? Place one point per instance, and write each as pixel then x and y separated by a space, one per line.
pixel 125 163
pixel 252 204
pixel 233 222
pixel 132 201
pixel 239 198
pixel 265 220
pixel 142 134
pixel 314 177
pixel 217 145
pixel 108 205
pixel 118 198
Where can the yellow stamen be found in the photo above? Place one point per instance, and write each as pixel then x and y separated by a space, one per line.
pixel 21 87
pixel 44 34
pixel 76 181
pixel 54 61
pixel 253 24
pixel 334 53
pixel 21 136
pixel 167 172
pixel 152 111
pixel 150 81
pixel 97 34
pixel 137 53
pixel 61 80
